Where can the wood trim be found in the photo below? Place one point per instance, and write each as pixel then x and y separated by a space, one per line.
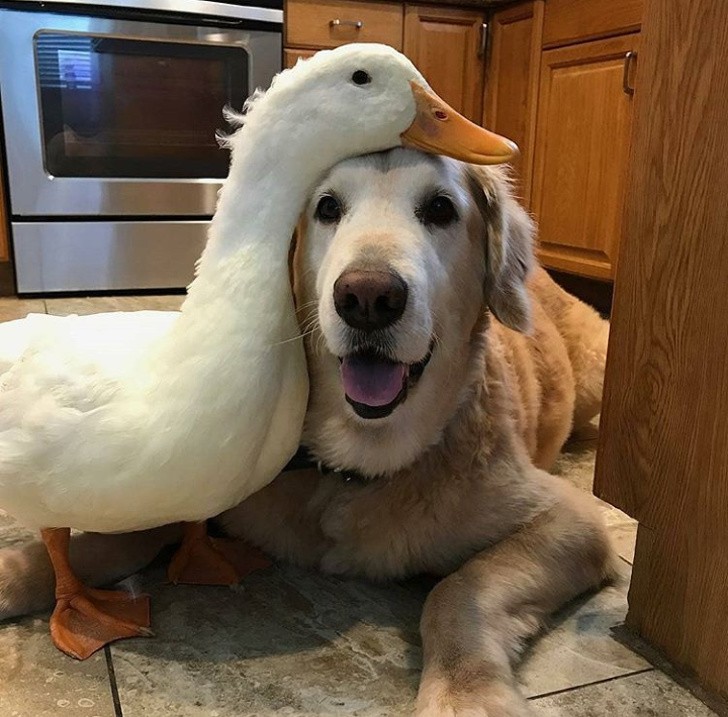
pixel 4 214
pixel 569 21
pixel 532 107
pixel 592 264
pixel 532 10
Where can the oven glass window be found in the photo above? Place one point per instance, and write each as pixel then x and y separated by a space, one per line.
pixel 116 107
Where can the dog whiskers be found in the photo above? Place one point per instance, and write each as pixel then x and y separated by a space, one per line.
pixel 307 305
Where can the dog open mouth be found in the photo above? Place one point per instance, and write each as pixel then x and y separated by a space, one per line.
pixel 374 385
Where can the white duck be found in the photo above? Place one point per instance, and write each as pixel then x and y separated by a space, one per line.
pixel 127 421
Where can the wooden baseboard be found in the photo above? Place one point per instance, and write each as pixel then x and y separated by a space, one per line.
pixel 7 279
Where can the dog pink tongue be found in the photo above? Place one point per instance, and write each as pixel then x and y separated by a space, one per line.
pixel 372 381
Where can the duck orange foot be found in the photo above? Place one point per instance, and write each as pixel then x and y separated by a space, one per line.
pixel 87 619
pixel 202 560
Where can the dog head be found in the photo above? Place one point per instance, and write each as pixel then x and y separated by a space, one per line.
pixel 400 254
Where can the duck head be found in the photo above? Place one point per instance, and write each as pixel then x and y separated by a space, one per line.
pixel 366 97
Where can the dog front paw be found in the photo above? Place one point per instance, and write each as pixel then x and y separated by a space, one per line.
pixel 26 581
pixel 440 698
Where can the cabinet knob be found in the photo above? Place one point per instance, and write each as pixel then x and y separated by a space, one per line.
pixel 356 24
pixel 629 59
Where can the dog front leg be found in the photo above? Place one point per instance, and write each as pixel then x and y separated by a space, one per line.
pixel 26 576
pixel 476 621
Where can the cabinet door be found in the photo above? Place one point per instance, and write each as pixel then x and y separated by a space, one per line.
pixel 446 45
pixel 582 145
pixel 511 83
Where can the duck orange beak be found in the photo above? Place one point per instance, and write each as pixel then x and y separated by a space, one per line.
pixel 439 129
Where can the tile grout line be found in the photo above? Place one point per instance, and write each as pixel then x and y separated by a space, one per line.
pixel 112 682
pixel 592 684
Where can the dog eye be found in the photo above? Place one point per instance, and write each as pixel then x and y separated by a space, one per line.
pixel 328 209
pixel 438 211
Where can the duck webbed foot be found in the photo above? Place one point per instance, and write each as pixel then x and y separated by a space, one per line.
pixel 202 560
pixel 86 619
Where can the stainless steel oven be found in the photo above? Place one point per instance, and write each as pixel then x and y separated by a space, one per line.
pixel 109 115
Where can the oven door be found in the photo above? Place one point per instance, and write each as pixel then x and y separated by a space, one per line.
pixel 118 117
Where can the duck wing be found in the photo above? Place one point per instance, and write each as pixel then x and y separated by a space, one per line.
pixel 72 362
pixel 62 382
pixel 113 341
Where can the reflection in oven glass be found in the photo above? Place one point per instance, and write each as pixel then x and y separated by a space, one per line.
pixel 115 107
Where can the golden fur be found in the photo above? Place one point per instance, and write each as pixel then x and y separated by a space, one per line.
pixel 457 486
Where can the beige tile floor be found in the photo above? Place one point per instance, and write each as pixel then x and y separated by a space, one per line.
pixel 291 642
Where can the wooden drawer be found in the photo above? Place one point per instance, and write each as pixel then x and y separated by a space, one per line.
pixel 567 21
pixel 312 23
pixel 291 57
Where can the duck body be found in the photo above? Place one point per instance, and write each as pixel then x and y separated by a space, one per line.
pixel 120 422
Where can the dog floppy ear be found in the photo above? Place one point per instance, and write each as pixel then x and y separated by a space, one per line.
pixel 508 244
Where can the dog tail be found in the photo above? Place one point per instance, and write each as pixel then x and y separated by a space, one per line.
pixel 585 334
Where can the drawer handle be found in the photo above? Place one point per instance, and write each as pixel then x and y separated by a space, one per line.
pixel 356 24
pixel 483 48
pixel 629 58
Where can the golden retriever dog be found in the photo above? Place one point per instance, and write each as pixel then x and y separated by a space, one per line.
pixel 446 374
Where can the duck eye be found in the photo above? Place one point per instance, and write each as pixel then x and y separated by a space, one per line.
pixel 328 209
pixel 438 211
pixel 361 77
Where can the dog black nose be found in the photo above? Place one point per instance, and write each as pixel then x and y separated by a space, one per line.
pixel 370 300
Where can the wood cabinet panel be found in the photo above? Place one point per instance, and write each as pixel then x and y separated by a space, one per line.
pixel 664 427
pixel 291 57
pixel 310 23
pixel 511 83
pixel 582 149
pixel 568 21
pixel 4 216
pixel 445 44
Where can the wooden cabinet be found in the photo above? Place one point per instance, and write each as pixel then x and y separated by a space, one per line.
pixel 664 428
pixel 548 74
pixel 583 134
pixel 511 83
pixel 447 46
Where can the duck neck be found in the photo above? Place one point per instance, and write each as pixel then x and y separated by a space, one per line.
pixel 241 297
pixel 258 207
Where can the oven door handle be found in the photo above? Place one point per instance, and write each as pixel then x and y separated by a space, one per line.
pixel 201 12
